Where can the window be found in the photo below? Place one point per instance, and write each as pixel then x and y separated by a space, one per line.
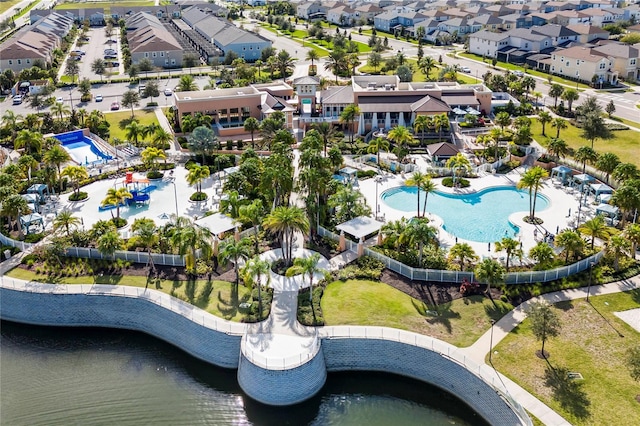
pixel 567 63
pixel 244 48
pixel 154 54
pixel 603 66
pixel 633 62
pixel 10 62
pixel 146 54
pixel 162 54
pixel 553 68
pixel 28 61
pixel 19 61
pixel 166 62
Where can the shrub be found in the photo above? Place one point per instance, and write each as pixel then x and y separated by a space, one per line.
pixel 462 182
pixel 33 238
pixel 119 222
pixel 154 174
pixel 239 144
pixel 364 174
pixel 616 126
pixel 198 196
pixel 78 196
pixel 229 145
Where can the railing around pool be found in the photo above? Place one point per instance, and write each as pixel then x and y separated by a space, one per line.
pixel 438 275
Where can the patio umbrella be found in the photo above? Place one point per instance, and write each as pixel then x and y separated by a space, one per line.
pixel 473 111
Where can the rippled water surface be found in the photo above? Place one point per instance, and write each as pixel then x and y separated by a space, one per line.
pixel 59 376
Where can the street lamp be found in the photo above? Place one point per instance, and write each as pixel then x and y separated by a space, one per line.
pixel 377 179
pixel 175 193
pixel 71 101
pixel 578 80
pixel 591 264
pixel 491 341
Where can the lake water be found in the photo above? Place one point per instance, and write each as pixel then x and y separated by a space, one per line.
pixel 62 376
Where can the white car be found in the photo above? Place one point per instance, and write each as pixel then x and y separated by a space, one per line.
pixel 59 99
pixel 99 98
pixel 168 92
pixel 518 73
pixel 465 69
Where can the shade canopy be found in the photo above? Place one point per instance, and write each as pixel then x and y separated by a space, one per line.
pixel 217 223
pixel 607 209
pixel 563 170
pixel 360 226
pixel 473 111
pixel 583 178
pixel 458 111
pixel 600 188
pixel 605 198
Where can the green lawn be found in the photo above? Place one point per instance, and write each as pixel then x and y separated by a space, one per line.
pixel 106 4
pixel 625 143
pixel 505 65
pixel 418 75
pixel 359 302
pixel 122 117
pixel 592 342
pixel 215 297
pixel 7 4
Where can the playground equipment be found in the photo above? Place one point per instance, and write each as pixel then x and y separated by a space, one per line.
pixel 139 189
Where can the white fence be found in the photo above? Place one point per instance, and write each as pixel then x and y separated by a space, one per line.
pixel 438 275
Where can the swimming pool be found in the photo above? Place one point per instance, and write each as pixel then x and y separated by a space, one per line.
pixel 81 148
pixel 481 216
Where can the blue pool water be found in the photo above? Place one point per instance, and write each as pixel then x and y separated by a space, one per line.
pixel 482 216
pixel 81 148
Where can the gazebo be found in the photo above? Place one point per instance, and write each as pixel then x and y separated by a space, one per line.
pixel 562 173
pixel 600 189
pixel 32 201
pixel 582 180
pixel 349 176
pixel 358 228
pixel 608 210
pixel 605 198
pixel 29 221
pixel 217 224
pixel 39 189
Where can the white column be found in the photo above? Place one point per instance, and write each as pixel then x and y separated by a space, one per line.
pixel 401 119
pixel 361 124
pixel 387 121
pixel 413 118
pixel 374 122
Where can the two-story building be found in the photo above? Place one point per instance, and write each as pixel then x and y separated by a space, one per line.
pixel 150 40
pixel 582 63
pixel 626 59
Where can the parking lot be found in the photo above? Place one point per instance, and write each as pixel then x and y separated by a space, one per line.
pixel 94 48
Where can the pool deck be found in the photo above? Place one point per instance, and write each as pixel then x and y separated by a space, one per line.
pixel 555 216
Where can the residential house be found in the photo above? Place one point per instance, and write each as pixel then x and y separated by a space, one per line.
pixel 460 26
pixel 487 22
pixel 386 21
pixel 488 43
pixel 366 12
pixel 589 33
pixel 517 20
pixel 559 34
pixel 600 17
pixel 149 39
pixel 626 59
pixel 522 43
pixel 312 10
pixel 342 15
pixel 568 17
pixel 582 63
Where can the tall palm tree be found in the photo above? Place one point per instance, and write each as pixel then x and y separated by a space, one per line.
pixel 422 123
pixel 428 186
pixel 585 155
pixel 312 56
pixel 187 238
pixel 417 179
pixel 307 266
pixel 503 119
pixel 391 231
pixel 426 64
pixel 56 156
pixel 559 124
pixel 253 214
pixel 231 204
pixel 632 234
pixel 133 131
pixel 532 180
pixel 400 135
pixel 441 121
pixel 627 199
pixel 348 116
pixel 542 253
pixel 491 272
pixel 596 228
pixel 618 246
pixel 376 145
pixel 60 109
pixel 326 131
pixel 75 174
pixel 10 121
pixel 511 247
pixel 147 232
pixel 251 125
pixel 420 232
pixel 544 118
pixel 336 62
pixel 116 197
pixel 202 140
pixel 161 137
pixel 558 148
pixel 66 220
pixel 232 250
pixel 13 207
pixel 456 163
pixel 284 62
pixel 285 222
pixel 570 95
pixel 109 243
pixel 462 252
pixel 196 175
pixel 607 163
pixel 150 157
pixel 32 142
pixel 570 242
pixel 82 115
pixel 256 267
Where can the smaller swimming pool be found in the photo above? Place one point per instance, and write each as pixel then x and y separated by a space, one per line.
pixel 481 216
pixel 81 148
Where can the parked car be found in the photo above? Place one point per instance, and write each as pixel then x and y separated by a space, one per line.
pixel 107 57
pixel 99 98
pixel 115 106
pixel 110 52
pixel 518 73
pixel 465 69
pixel 59 99
pixel 168 92
pixel 17 100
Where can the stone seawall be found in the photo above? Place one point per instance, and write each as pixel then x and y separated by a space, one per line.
pixel 362 354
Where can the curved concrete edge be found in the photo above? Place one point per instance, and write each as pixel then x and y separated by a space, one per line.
pixel 283 387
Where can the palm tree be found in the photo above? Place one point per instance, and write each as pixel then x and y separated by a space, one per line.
pixel 161 137
pixel 570 242
pixel 491 272
pixel 544 118
pixel 632 234
pixel 532 181
pixel 82 115
pixel 13 207
pixel 456 163
pixel 150 157
pixel 618 246
pixel 348 116
pixel 421 123
pixel 400 135
pixel 428 186
pixel 420 232
pixel 393 230
pixel 426 64
pixel 116 197
pixel 503 119
pixel 349 204
pixel 284 62
pixel 558 148
pixel 66 220
pixel 417 179
pixel 336 63
pixel 607 163
pixel 441 121
pixel 542 253
pixel 585 155
pixel 312 56
pixel 570 95
pixel 187 84
pixel 196 175
pixel 555 92
pixel 109 243
pixel 202 140
pixel 256 267
pixel 231 204
pixel 559 124
pixel 627 199
pixel 10 121
pixel 307 266
pixel 511 247
pixel 187 238
pixel 326 131
pixel 536 96
pixel 285 221
pixel 462 252
pixel 147 232
pixel 75 174
pixel 251 124
pixel 133 131
pixel 55 157
pixel 232 250
pixel 31 141
pixel 377 145
pixel 253 214
pixel 60 109
pixel 596 228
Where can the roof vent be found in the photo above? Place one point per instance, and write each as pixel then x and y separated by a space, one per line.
pixel 186 98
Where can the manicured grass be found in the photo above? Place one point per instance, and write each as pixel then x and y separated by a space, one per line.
pixel 625 143
pixel 625 121
pixel 505 65
pixel 592 342
pixel 359 302
pixel 215 297
pixel 8 4
pixel 418 75
pixel 106 5
pixel 115 119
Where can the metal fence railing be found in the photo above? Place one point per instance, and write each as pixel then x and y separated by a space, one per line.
pixel 438 275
